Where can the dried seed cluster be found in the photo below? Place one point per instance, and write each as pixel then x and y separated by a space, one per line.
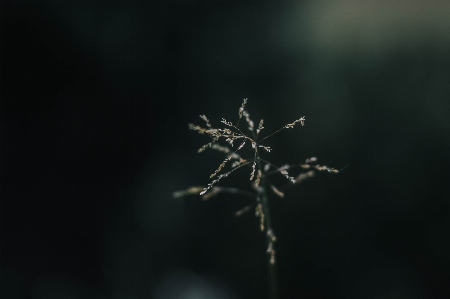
pixel 231 134
pixel 260 168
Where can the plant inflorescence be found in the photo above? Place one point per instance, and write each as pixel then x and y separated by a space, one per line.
pixel 260 170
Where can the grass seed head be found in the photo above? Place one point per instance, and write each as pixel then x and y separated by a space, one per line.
pixel 208 124
pixel 276 191
pixel 253 171
pixel 241 110
pixel 291 125
pixel 229 134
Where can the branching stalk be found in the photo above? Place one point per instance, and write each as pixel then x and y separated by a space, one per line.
pixel 270 238
pixel 258 176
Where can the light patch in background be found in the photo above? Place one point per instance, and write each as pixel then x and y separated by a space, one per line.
pixel 184 284
pixel 352 46
pixel 366 27
pixel 363 33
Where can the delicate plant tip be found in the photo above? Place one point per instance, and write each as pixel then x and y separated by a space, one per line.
pixel 258 177
pixel 311 160
pixel 241 146
pixel 237 163
pixel 286 175
pixel 267 148
pixel 284 167
pixel 276 191
pixel 271 235
pixel 260 214
pixel 257 188
pixel 303 176
pixel 220 167
pixel 323 168
pixel 261 123
pixel 189 191
pixel 208 124
pixel 272 257
pixel 210 185
pixel 228 123
pixel 199 129
pixel 253 170
pixel 202 149
pixel 214 191
pixel 248 120
pixel 271 251
pixel 260 127
pixel 221 148
pixel 257 210
pixel 230 141
pixel 291 125
pixel 242 211
pixel 241 110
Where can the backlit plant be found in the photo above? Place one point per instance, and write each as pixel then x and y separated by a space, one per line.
pixel 260 171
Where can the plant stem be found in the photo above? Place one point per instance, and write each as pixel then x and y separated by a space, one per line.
pixel 271 266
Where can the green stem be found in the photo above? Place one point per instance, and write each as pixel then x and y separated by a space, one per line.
pixel 271 267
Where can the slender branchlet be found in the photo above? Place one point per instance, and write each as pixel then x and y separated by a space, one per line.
pixel 261 170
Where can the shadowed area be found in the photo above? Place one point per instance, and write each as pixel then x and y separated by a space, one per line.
pixel 95 101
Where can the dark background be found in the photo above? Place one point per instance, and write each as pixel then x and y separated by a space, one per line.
pixel 95 101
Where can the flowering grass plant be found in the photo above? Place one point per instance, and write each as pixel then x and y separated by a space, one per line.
pixel 233 140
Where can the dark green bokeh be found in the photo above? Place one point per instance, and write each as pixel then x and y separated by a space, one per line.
pixel 95 101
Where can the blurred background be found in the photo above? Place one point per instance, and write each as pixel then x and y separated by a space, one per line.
pixel 95 100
